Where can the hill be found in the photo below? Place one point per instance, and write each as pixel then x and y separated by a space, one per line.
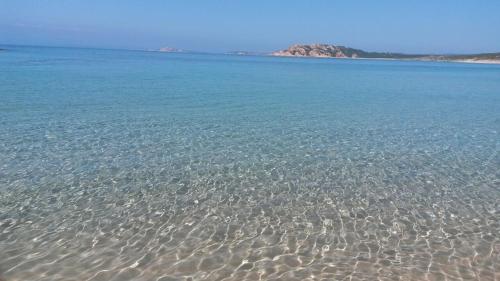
pixel 334 51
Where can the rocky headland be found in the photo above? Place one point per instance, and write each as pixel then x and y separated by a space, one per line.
pixel 334 51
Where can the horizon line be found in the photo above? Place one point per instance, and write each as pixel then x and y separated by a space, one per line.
pixel 225 52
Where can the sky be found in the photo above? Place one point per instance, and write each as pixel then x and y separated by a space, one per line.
pixel 409 26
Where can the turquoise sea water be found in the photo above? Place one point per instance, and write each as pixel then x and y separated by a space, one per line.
pixel 124 165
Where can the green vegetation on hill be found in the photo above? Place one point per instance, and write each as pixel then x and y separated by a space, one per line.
pixel 326 50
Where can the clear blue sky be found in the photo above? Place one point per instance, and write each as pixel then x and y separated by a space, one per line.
pixel 412 26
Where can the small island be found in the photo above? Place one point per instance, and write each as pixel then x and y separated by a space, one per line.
pixel 334 51
pixel 170 50
pixel 245 53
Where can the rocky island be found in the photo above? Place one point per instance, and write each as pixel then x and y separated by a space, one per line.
pixel 334 51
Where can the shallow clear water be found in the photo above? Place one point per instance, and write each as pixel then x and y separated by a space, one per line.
pixel 119 165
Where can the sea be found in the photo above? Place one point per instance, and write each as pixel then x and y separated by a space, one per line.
pixel 134 165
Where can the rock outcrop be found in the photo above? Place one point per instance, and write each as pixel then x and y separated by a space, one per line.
pixel 318 50
pixel 334 51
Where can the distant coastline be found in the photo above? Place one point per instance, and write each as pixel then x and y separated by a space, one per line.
pixel 170 50
pixel 334 51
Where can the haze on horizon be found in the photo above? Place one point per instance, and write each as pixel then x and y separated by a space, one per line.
pixel 445 26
